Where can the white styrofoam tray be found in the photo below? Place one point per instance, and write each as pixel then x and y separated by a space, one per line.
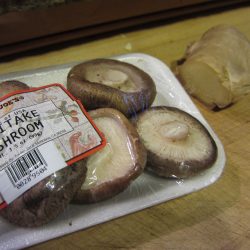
pixel 146 191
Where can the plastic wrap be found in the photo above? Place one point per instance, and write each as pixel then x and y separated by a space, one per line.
pixel 177 144
pixel 147 190
pixel 103 83
pixel 111 170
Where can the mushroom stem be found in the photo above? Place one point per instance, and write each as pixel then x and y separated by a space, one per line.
pixel 113 78
pixel 177 144
pixel 174 131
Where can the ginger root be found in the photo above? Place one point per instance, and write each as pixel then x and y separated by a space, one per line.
pixel 216 69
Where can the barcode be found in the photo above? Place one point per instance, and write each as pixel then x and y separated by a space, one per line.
pixel 24 165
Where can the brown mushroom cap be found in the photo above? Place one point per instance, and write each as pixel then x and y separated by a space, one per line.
pixel 111 83
pixel 7 87
pixel 112 169
pixel 47 199
pixel 178 145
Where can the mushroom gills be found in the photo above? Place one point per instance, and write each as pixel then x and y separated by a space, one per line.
pixel 114 159
pixel 178 145
pixel 111 170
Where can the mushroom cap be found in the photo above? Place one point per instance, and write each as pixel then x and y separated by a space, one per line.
pixel 102 83
pixel 112 169
pixel 177 144
pixel 7 87
pixel 47 199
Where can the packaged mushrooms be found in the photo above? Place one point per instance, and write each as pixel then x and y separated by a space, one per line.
pixel 119 97
pixel 177 144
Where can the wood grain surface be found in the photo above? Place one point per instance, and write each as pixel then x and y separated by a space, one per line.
pixel 217 217
pixel 38 27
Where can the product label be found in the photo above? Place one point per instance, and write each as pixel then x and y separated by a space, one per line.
pixel 41 131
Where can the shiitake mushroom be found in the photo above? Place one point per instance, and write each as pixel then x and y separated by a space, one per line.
pixel 177 144
pixel 47 199
pixel 102 83
pixel 112 169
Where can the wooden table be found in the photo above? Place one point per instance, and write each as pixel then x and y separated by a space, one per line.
pixel 217 217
